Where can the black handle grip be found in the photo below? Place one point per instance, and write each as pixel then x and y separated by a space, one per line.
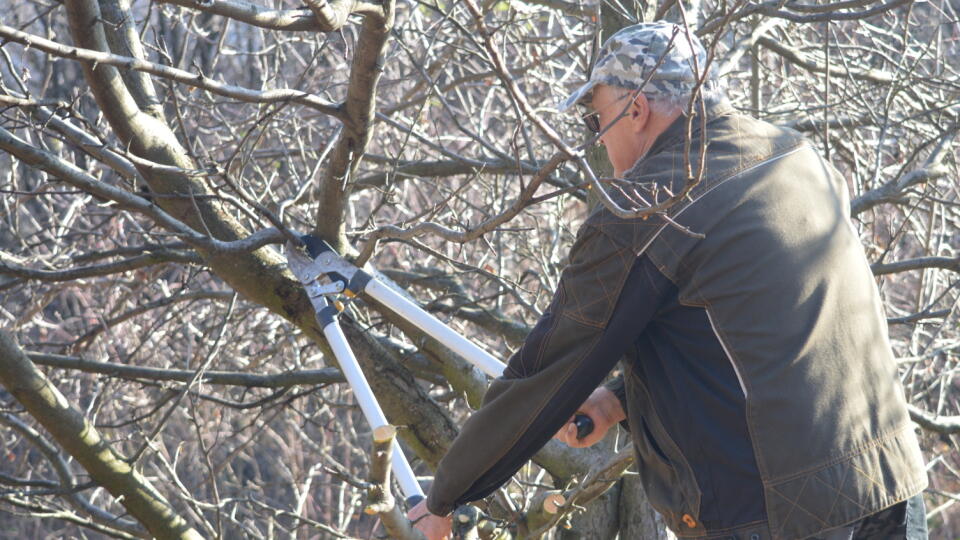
pixel 584 425
pixel 413 500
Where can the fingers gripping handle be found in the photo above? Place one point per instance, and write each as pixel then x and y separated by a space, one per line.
pixel 584 425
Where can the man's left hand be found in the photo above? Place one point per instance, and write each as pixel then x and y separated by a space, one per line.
pixel 432 526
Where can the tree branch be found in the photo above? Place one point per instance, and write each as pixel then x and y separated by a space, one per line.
pixel 190 79
pixel 332 14
pixel 893 190
pixel 945 263
pixel 946 425
pixel 49 163
pixel 286 20
pixel 82 441
pixel 359 111
pixel 460 237
pixel 801 59
pixel 67 481
pixel 10 266
pixel 380 499
pixel 305 377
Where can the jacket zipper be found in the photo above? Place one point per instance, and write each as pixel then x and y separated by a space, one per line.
pixel 726 351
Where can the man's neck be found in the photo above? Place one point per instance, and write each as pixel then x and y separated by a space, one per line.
pixel 656 125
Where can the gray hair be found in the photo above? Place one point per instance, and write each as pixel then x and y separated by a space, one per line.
pixel 711 92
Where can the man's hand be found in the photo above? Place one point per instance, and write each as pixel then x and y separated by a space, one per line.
pixel 433 527
pixel 603 408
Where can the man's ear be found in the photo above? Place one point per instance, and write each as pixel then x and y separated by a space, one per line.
pixel 640 112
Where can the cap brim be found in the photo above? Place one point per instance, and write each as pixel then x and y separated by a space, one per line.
pixel 576 97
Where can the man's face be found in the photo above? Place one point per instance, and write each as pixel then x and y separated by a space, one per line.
pixel 624 139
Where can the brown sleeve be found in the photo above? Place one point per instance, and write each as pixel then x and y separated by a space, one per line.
pixel 567 355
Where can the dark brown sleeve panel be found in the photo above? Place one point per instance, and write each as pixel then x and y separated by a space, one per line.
pixel 572 348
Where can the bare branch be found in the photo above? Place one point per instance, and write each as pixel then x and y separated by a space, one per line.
pixel 287 20
pixel 945 425
pixel 10 266
pixel 304 377
pixel 78 437
pixel 945 263
pixel 53 165
pixel 190 79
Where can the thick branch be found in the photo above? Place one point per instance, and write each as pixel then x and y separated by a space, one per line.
pixel 359 110
pixel 893 190
pixel 67 481
pixel 945 263
pixel 332 14
pixel 81 440
pixel 946 425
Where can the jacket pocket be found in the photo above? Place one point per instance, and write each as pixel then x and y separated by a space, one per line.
pixel 666 476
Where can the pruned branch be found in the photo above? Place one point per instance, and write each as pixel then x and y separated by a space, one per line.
pixel 595 483
pixel 380 499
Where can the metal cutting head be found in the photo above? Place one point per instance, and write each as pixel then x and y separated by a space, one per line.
pixel 309 272
pixel 299 264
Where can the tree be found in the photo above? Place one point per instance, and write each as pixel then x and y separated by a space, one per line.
pixel 156 157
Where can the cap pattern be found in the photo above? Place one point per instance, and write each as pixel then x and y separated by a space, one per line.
pixel 629 56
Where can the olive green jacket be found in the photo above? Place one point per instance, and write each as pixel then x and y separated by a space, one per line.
pixel 780 272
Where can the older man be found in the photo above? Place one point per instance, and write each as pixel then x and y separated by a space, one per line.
pixel 759 386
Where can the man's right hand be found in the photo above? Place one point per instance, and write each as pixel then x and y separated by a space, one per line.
pixel 603 408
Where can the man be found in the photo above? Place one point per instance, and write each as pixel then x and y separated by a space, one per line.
pixel 759 386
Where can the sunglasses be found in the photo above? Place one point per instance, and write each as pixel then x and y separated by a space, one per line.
pixel 592 121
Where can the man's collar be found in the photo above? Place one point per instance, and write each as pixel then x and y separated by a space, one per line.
pixel 677 131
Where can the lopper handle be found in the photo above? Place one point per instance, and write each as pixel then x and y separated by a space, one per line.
pixel 584 425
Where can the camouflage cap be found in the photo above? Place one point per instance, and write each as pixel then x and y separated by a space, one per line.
pixel 628 57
